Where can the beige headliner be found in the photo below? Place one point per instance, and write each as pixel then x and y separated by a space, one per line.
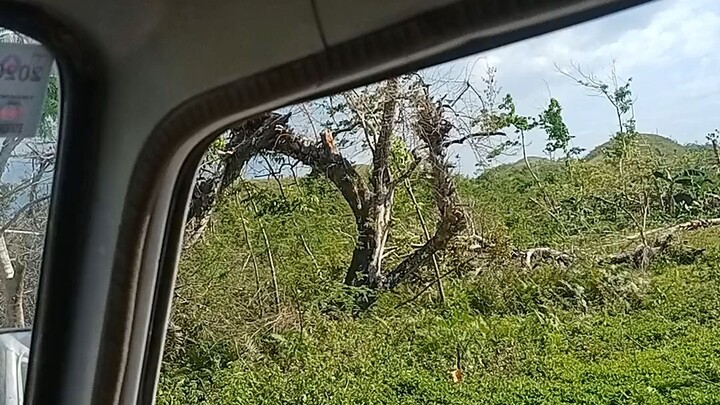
pixel 174 49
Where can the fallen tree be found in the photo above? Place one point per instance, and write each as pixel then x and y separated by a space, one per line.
pixel 685 226
pixel 639 256
pixel 544 254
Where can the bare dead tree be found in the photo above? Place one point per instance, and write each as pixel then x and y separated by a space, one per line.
pixel 375 117
pixel 434 130
pixel 26 207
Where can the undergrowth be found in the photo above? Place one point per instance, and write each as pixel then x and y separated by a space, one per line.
pixel 550 334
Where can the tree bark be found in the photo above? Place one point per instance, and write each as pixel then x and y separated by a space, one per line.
pixel 5 261
pixel 383 193
pixel 13 288
pixel 324 158
pixel 433 130
pixel 716 150
pixel 14 312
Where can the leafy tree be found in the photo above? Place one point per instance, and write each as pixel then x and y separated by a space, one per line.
pixel 620 97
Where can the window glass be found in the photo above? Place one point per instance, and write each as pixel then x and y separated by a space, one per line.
pixel 29 113
pixel 535 224
pixel 27 158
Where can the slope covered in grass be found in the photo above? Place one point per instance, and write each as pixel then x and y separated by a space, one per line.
pixel 587 333
pixel 648 142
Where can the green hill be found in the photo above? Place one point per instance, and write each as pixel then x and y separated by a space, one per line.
pixel 520 163
pixel 518 166
pixel 665 146
pixel 646 142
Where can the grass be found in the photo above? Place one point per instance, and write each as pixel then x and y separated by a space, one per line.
pixel 667 351
pixel 586 334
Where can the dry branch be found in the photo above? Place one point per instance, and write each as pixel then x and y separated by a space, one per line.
pixel 426 233
pixel 462 140
pixel 685 226
pixel 641 255
pixel 19 213
pixel 545 254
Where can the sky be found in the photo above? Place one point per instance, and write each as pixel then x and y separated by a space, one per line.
pixel 670 48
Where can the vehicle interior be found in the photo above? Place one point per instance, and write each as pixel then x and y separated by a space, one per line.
pixel 145 88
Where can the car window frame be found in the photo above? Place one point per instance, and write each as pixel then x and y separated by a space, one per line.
pixel 149 240
pixel 81 89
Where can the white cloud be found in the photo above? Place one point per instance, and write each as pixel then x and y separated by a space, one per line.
pixel 681 28
pixel 671 48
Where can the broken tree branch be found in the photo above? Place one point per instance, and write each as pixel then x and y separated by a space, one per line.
pixel 427 287
pixel 685 226
pixel 465 138
pixel 19 213
pixel 546 254
pixel 641 255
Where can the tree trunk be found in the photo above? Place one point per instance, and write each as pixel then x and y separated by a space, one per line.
pixel 433 130
pixel 716 150
pixel 14 313
pixel 13 288
pixel 5 261
pixel 381 203
pixel 244 142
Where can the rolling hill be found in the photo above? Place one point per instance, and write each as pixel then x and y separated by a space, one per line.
pixel 664 145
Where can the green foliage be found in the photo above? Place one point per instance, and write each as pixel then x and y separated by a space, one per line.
pixel 662 352
pixel 583 334
pixel 558 134
pixel 550 120
pixel 51 109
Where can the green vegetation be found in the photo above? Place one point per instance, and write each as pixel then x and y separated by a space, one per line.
pixel 584 334
pixel 650 142
pixel 576 280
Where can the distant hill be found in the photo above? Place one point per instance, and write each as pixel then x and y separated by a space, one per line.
pixel 666 146
pixel 520 163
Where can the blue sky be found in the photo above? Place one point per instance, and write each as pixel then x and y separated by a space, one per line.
pixel 671 49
